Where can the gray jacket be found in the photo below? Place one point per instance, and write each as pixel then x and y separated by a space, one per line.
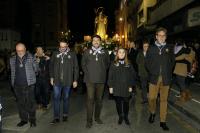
pixel 31 68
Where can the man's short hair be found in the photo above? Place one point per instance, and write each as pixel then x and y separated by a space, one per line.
pixel 64 40
pixel 161 29
pixel 145 41
pixel 96 36
pixel 19 43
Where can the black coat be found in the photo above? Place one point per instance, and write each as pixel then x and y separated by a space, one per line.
pixel 70 68
pixel 43 71
pixel 132 55
pixel 121 78
pixel 160 65
pixel 142 72
pixel 95 71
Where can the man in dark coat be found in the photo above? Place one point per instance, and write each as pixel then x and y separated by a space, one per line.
pixel 95 63
pixel 132 54
pixel 159 63
pixel 142 72
pixel 23 78
pixel 64 73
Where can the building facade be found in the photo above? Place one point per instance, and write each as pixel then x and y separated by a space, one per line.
pixel 180 17
pixel 49 19
pixel 8 39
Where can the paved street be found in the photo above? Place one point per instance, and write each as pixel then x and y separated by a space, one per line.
pixel 77 119
pixel 138 118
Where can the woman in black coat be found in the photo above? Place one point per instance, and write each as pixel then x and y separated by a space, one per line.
pixel 121 80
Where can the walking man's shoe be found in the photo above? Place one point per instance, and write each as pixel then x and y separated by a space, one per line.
pixel 55 121
pixel 127 121
pixel 99 121
pixel 164 126
pixel 65 118
pixel 33 124
pixel 88 125
pixel 120 120
pixel 22 123
pixel 152 118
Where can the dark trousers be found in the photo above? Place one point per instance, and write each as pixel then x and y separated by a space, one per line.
pixel 180 82
pixel 94 98
pixel 42 91
pixel 26 103
pixel 122 106
pixel 0 115
pixel 144 87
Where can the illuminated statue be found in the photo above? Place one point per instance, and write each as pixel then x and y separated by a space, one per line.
pixel 101 24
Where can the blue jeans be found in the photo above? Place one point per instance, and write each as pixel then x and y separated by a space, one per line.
pixel 57 99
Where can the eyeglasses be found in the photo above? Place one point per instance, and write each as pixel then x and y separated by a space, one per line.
pixel 159 35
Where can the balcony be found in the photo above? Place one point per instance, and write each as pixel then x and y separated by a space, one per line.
pixel 166 9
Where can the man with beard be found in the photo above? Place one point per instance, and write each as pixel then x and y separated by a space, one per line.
pixel 95 63
pixel 64 72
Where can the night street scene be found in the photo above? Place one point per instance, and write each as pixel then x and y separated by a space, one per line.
pixel 99 66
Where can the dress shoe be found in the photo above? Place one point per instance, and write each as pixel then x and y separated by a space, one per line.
pixel 164 126
pixel 33 124
pixel 55 121
pixel 120 120
pixel 65 118
pixel 127 121
pixel 152 118
pixel 88 125
pixel 99 121
pixel 22 123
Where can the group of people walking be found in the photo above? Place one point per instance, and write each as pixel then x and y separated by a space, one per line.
pixel 155 66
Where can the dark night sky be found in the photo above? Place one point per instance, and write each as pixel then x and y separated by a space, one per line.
pixel 81 15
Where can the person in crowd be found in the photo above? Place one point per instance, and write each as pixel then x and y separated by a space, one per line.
pixel 132 54
pixel 142 72
pixel 42 84
pixel 2 65
pixel 113 54
pixel 192 67
pixel 184 57
pixel 121 82
pixel 95 63
pixel 64 72
pixel 197 51
pixel 23 78
pixel 81 87
pixel 159 63
pixel 112 58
